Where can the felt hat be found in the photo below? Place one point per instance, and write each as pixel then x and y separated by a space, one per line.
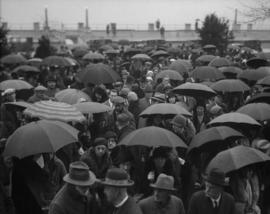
pixel 164 182
pixel 117 177
pixel 216 177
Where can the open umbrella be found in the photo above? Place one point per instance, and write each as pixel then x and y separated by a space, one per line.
pixel 132 51
pixel 160 53
pixel 13 59
pixel 93 56
pixel 51 110
pixel 260 98
pixel 230 85
pixel 173 75
pixel 214 137
pixel 42 136
pixel 205 58
pixel 194 90
pixel 258 111
pixel 152 136
pixel 174 50
pixel 256 62
pixel 18 104
pixel 180 66
pixel 165 109
pixel 231 70
pixel 141 57
pixel 237 158
pixel 209 46
pixel 234 119
pixel 71 61
pixel 34 62
pixel 254 75
pixel 111 52
pixel 79 51
pixel 71 96
pixel 264 81
pixel 92 107
pixel 220 62
pixel 16 84
pixel 26 69
pixel 98 74
pixel 55 61
pixel 207 73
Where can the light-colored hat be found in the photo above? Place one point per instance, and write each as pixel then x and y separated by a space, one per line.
pixel 80 175
pixel 164 182
pixel 8 91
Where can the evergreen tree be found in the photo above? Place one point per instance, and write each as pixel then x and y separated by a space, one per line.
pixel 44 48
pixel 215 31
pixel 3 42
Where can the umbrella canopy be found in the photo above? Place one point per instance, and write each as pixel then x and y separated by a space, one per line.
pixel 209 46
pixel 71 61
pixel 231 70
pixel 112 52
pixel 258 111
pixel 194 90
pixel 13 59
pixel 264 81
pixel 16 84
pixel 202 73
pixel 71 96
pixel 237 158
pixel 141 57
pixel 260 98
pixel 93 56
pixel 180 66
pixel 26 69
pixel 234 118
pixel 55 61
pixel 160 53
pixel 99 74
pixel 34 62
pixel 214 137
pixel 19 104
pixel 220 62
pixel 173 75
pixel 174 50
pixel 152 136
pixel 255 75
pixel 205 58
pixel 165 109
pixel 264 55
pixel 79 51
pixel 230 85
pixel 40 137
pixel 132 51
pixel 257 62
pixel 92 107
pixel 51 110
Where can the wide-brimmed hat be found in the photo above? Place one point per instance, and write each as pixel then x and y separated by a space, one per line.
pixel 179 120
pixel 117 177
pixel 159 97
pixel 40 88
pixel 164 182
pixel 80 175
pixel 118 100
pixel 216 177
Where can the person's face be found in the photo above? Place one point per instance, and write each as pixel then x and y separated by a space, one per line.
pixel 98 97
pixel 11 97
pixel 157 120
pixel 119 107
pixel 112 95
pixel 125 166
pixel 212 191
pixel 161 196
pixel 200 110
pixel 178 129
pixel 51 84
pixel 83 190
pixel 111 143
pixel 100 150
pixel 159 162
pixel 166 81
pixel 8 162
pixel 111 193
pixel 39 94
pixel 172 100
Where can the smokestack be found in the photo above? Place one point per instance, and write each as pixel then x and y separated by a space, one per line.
pixel 46 27
pixel 235 16
pixel 86 19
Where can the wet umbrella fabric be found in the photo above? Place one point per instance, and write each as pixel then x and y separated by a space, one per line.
pixel 165 109
pixel 13 59
pixel 237 158
pixel 152 137
pixel 141 57
pixel 254 75
pixel 26 69
pixel 98 74
pixel 258 111
pixel 220 62
pixel 194 90
pixel 260 98
pixel 16 84
pixel 71 96
pixel 264 81
pixel 173 75
pixel 230 85
pixel 55 61
pixel 207 73
pixel 180 66
pixel 92 107
pixel 93 56
pixel 233 118
pixel 40 137
pixel 205 58
pixel 51 110
pixel 214 137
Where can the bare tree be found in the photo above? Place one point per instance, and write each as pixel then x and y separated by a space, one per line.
pixel 259 11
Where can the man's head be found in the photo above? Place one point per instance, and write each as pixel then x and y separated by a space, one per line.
pixel 122 120
pixel 113 94
pixel 40 91
pixel 100 146
pixel 179 123
pixel 214 183
pixel 119 103
pixel 51 82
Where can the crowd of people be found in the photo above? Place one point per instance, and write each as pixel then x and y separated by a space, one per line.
pixel 96 175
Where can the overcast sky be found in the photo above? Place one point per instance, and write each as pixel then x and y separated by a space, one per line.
pixel 126 13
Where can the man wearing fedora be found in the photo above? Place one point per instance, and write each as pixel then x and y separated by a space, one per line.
pixel 162 201
pixel 212 200
pixel 115 188
pixel 74 197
